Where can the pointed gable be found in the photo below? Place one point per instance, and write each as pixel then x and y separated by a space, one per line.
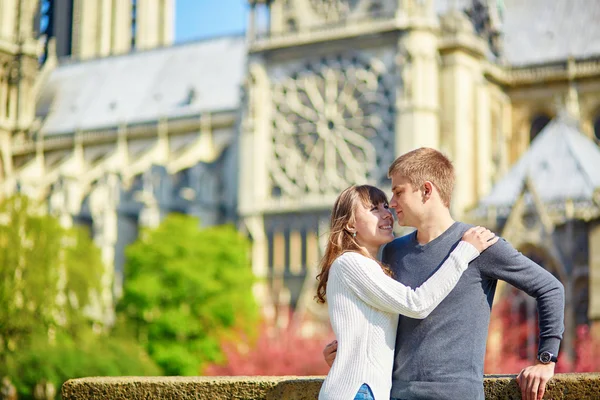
pixel 561 163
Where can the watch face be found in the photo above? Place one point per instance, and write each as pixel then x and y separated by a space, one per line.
pixel 545 357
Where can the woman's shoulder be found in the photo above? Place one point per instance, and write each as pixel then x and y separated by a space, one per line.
pixel 351 256
pixel 352 259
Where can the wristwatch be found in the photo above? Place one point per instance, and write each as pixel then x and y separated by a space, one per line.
pixel 545 357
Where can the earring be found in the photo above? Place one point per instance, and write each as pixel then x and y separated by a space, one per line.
pixel 354 234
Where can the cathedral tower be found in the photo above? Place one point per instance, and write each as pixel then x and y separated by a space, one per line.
pixel 18 71
pixel 86 29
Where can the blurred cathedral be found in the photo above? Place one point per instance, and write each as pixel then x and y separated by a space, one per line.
pixel 114 127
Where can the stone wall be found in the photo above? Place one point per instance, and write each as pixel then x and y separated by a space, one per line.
pixel 562 386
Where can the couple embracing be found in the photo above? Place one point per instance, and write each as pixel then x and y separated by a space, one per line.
pixel 414 325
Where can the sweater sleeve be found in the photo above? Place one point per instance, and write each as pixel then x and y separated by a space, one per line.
pixel 504 262
pixel 366 278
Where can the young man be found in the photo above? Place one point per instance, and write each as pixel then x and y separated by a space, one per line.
pixel 442 356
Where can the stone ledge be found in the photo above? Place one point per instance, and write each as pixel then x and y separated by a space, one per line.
pixel 562 386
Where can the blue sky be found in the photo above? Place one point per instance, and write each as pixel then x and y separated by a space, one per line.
pixel 196 19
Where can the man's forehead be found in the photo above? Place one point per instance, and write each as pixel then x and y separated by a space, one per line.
pixel 399 180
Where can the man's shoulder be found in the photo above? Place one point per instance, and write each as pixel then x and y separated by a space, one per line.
pixel 463 226
pixel 500 250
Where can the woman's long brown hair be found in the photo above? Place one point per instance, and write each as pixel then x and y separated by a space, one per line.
pixel 340 239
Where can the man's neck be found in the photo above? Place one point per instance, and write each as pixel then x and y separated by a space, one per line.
pixel 434 226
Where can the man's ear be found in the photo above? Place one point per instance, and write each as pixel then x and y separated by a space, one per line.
pixel 427 190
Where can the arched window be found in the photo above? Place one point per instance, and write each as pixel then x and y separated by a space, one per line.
pixel 597 128
pixel 291 25
pixel 537 124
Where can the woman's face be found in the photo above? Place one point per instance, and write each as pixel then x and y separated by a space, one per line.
pixel 374 225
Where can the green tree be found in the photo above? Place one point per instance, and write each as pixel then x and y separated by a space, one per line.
pixel 48 275
pixel 184 289
pixel 50 281
pixel 89 354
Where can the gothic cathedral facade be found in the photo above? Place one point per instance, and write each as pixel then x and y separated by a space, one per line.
pixel 114 127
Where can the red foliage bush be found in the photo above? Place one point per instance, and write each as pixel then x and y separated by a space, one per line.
pixel 587 351
pixel 284 351
pixel 276 352
pixel 514 348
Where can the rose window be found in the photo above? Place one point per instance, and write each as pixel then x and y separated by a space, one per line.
pixel 333 126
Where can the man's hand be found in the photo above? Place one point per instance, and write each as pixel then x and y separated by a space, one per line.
pixel 532 380
pixel 329 352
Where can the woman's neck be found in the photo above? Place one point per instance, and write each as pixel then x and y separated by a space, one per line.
pixel 372 251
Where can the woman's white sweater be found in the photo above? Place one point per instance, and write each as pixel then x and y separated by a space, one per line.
pixel 364 304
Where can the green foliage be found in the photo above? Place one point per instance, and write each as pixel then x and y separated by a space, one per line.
pixel 89 355
pixel 47 274
pixel 185 288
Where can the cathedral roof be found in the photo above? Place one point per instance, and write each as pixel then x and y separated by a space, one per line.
pixel 542 31
pixel 145 86
pixel 538 31
pixel 562 164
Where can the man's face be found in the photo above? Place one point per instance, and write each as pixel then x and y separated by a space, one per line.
pixel 406 201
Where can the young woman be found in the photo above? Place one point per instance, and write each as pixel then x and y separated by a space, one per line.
pixel 364 300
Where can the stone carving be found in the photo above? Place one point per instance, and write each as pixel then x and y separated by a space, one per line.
pixel 487 22
pixel 330 10
pixel 404 64
pixel 334 10
pixel 332 127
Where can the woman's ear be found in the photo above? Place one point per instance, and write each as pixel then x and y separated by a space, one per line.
pixel 350 228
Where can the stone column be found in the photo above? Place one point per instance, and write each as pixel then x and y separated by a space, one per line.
pixel 506 136
pixel 483 140
pixel 154 23
pixel 277 22
pixel 260 260
pixel 255 151
pixel 594 279
pixel 121 27
pixel 295 256
pixel 106 31
pixel 8 17
pixel 25 89
pixel 3 94
pixel 251 32
pixel 417 98
pixel 281 294
pixel 167 22
pixel 162 142
pixel 253 180
pixel 465 108
pixel 567 347
pixel 5 135
pixel 85 29
pixel 458 104
pixel 13 96
pixel 104 201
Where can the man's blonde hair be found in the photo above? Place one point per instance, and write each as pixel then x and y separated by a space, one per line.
pixel 426 164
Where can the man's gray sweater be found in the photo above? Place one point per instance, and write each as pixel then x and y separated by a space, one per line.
pixel 441 357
